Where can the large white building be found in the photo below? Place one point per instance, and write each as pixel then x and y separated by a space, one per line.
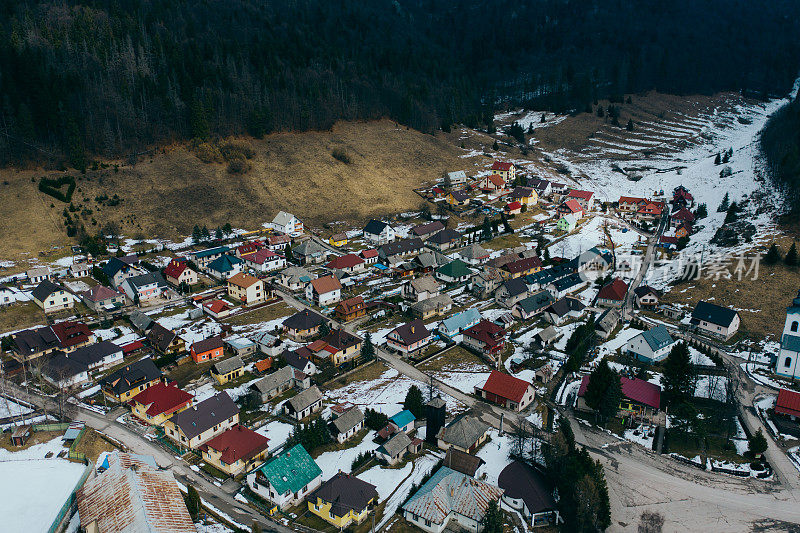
pixel 287 223
pixel 789 354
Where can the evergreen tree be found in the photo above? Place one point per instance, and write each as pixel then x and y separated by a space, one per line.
pixel 287 252
pixel 530 128
pixel 600 112
pixel 192 499
pixel 493 519
pixel 197 234
pixel 218 233
pixel 717 159
pixel 486 235
pixel 367 348
pixel 732 213
pixel 701 212
pixel 604 391
pixel 791 256
pixel 543 118
pixel 757 444
pixel 629 126
pixel 495 146
pixel 375 420
pixel 206 234
pixel 447 183
pixel 723 207
pixel 227 229
pixel 198 120
pixel 678 380
pixel 324 329
pixel 773 255
pixel 414 401
pixel 726 157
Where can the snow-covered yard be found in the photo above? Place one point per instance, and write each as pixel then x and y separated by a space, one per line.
pixel 333 462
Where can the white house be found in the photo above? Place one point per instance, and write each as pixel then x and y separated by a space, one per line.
pixel 287 478
pixel 379 232
pixel 144 287
pixel 651 346
pixel 715 320
pixel 324 291
pixel 787 362
pixel 287 223
pixel 51 297
pixel 264 260
pixel 38 274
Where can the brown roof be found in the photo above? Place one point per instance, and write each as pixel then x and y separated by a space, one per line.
pixel 462 462
pixel 325 284
pixel 238 443
pixel 240 279
pixel 205 345
pixel 613 291
pixel 351 304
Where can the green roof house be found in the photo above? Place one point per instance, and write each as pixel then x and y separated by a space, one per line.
pixel 455 271
pixel 287 478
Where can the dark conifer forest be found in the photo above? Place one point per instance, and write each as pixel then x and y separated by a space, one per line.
pixel 113 77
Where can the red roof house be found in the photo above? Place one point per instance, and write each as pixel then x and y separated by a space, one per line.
pixel 503 166
pixel 348 263
pixel 580 195
pixel 641 392
pixel 485 337
pixel 493 182
pixel 612 294
pixel 249 248
pixel 788 403
pixel 571 207
pixel 236 449
pixel 507 391
pixel 72 335
pixel 158 402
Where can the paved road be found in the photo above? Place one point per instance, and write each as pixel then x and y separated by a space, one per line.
pixel 136 443
pixel 647 262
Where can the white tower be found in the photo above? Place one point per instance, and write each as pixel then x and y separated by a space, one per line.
pixel 788 363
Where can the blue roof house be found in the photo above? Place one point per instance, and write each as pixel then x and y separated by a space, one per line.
pixel 454 325
pixel 651 346
pixel 404 420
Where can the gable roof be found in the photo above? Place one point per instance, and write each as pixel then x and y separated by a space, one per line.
pixel 583 195
pixel 565 305
pixel 228 365
pixel 375 227
pixel 521 265
pixel 538 184
pixel 259 257
pixel 506 386
pixel 211 251
pixel 428 228
pixel 459 196
pixel 143 280
pixel 450 491
pixel 205 345
pixel 458 175
pixel 70 333
pixel 350 304
pixel 205 415
pixel 295 360
pixel 496 180
pixel 607 321
pixel 635 389
pixel 474 252
pixel 306 398
pixel 45 289
pixel 454 269
pixel 132 375
pixel 98 293
pixel 657 337
pixel 788 402
pixel 272 381
pixel 404 246
pixel 348 420
pixel 240 279
pixel 445 236
pixel 396 445
pixel 435 302
pixel 224 263
pixel 283 218
pixel 291 470
pixel 714 314
pixel 412 332
pixel 537 300
pixel 515 286
pixel 402 418
pixel 345 493
pixel 95 353
pixel 501 165
pixel 162 398
pixel 462 462
pixel 521 481
pixel 572 206
pixel 464 431
pixel 614 291
pixel 326 284
pixel 238 444
pixel 344 261
pixel 113 266
pixel 424 284
pixel 643 290
pixel 175 268
pixel 467 318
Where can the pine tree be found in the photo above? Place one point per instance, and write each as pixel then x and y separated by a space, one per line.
pixel 324 328
pixel 773 255
pixel 287 252
pixel 600 112
pixel 543 119
pixel 493 519
pixel 757 444
pixel 678 379
pixel 206 234
pixel 791 256
pixel 197 234
pixel 732 213
pixel 530 128
pixel 701 212
pixel 629 126
pixel 487 230
pixel 414 401
pixel 495 146
pixel 723 207
pixel 227 229
pixel 717 159
pixel 218 233
pixel 367 348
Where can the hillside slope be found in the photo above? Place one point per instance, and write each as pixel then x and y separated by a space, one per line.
pixel 169 193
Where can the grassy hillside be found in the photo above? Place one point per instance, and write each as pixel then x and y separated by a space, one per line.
pixel 167 194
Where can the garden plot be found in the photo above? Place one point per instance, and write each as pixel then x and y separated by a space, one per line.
pixel 342 460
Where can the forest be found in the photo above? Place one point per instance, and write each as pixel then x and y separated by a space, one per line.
pixel 86 78
pixel 780 144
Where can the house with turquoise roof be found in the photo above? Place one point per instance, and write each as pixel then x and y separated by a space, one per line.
pixel 404 420
pixel 225 266
pixel 454 325
pixel 287 478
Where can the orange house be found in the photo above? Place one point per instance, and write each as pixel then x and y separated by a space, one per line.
pixel 207 349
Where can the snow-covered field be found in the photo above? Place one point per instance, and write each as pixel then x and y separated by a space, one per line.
pixel 333 462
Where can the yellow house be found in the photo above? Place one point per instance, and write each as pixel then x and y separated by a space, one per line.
pixel 338 239
pixel 246 288
pixel 230 368
pixel 457 198
pixel 339 346
pixel 193 427
pixel 525 195
pixel 342 500
pixel 236 450
pixel 160 402
pixel 125 383
pixel 505 169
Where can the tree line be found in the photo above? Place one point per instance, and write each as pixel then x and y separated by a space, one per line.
pixel 113 77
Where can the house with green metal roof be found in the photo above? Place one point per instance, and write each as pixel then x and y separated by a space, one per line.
pixel 204 257
pixel 287 478
pixel 224 266
pixel 404 420
pixel 455 271
pixel 652 345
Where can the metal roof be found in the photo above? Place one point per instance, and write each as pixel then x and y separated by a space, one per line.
pixel 291 470
pixel 450 491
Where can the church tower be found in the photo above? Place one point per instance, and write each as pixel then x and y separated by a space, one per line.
pixel 788 363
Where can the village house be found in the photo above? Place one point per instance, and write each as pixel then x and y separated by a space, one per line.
pixel 787 404
pixel 533 305
pixel 483 284
pixel 338 240
pixel 247 248
pixel 639 397
pixel 464 433
pixel 280 381
pixel 299 362
pixel 465 463
pixel 460 197
pixel 178 271
pixel 435 306
pixel 630 204
pixel 37 275
pixel 584 198
pixel 165 341
pixel 294 278
pixel 145 287
pixel 505 170
pixel 409 337
pixel 324 291
pixel 715 320
pixel 201 422
pixel 452 326
pixel 444 240
pixel 128 381
pixel 485 338
pixel 302 325
pixel 492 183
pixel 80 270
pixel 278 243
pixel 350 309
pixel 513 208
pixel 304 403
pixel 266 343
pixel 541 186
pixel 571 207
pixel 612 294
pixel 510 292
pixel 650 346
pixel 649 212
pixel 347 424
pixel 528 492
pixel 524 195
pixel 474 254
pixel 103 299
pixel 520 267
pixel 646 297
pixel 247 289
pixel 350 263
pixel 264 260
pixel 241 346
pixel 394 251
pixel 506 391
pixel 378 232
pixel 422 288
pixel 343 500
pixel 72 335
pixel 157 403
pixel 224 266
pixel 563 309
pixel 427 230
pixel 287 224
pixel 286 479
pixel 117 271
pixel 456 271
pixel 370 256
pixel 98 356
pixel 558 191
pixel 680 217
pixel 789 353
pixel 217 308
pixel 606 323
pixel 338 346
pixel 567 223
pixel 52 298
pixel 207 349
pixel 457 178
pixel 392 451
pixel 450 500
pixel 227 370
pixel 203 257
pixel 63 372
pixel 7 296
pixel 236 450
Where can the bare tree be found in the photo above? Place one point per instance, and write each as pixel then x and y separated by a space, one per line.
pixel 651 522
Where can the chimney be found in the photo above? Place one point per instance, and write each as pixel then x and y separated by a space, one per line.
pixel 412 329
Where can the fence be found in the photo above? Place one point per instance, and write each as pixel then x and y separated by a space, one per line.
pixel 73 450
pixel 54 426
